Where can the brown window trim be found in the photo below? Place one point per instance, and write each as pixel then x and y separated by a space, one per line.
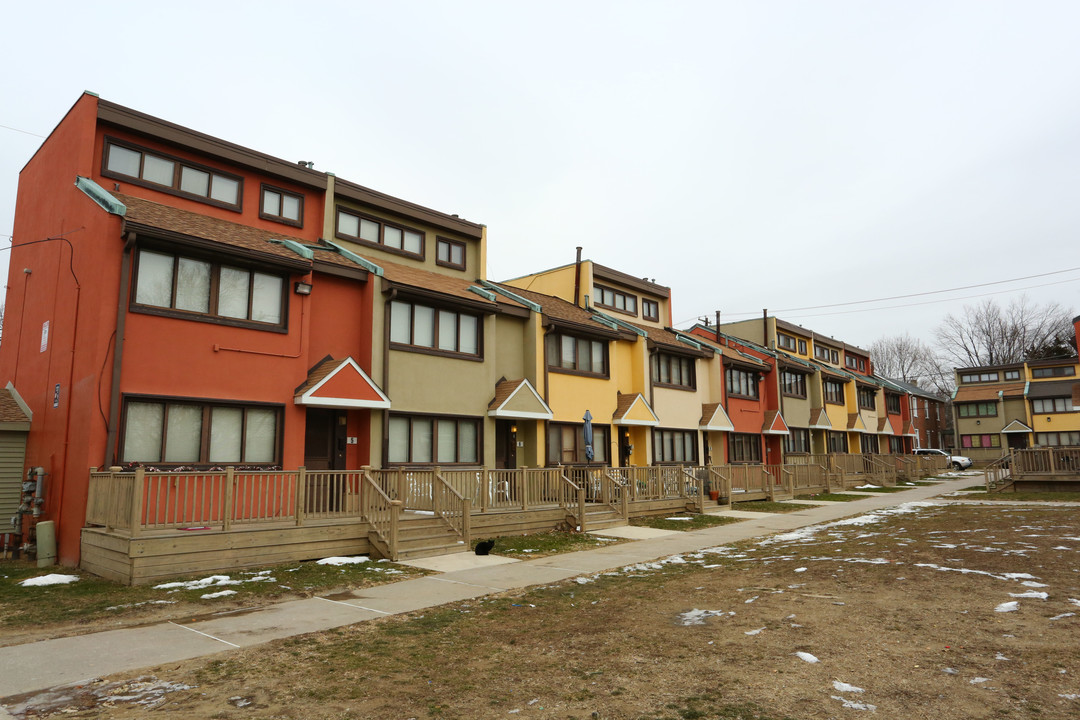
pixel 206 404
pixel 446 263
pixel 612 308
pixel 1043 412
pixel 645 303
pixel 382 227
pixel 669 386
pixel 263 187
pixel 216 264
pixel 421 350
pixel 793 395
pixel 479 421
pixel 173 189
pixel 581 373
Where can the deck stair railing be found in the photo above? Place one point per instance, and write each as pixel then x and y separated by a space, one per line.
pixel 720 482
pixel 382 512
pixel 450 505
pixel 998 473
pixel 881 470
pixel 614 493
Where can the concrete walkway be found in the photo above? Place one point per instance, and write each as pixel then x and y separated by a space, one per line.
pixel 36 666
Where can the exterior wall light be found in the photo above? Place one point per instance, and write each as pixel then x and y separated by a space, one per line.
pixel 303 288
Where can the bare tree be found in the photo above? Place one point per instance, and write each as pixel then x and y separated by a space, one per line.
pixel 903 357
pixel 987 334
pixel 900 356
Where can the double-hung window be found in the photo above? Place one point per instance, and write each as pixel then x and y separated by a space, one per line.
pixel 798 441
pixel 892 403
pixel 213 291
pixel 615 299
pixel 1047 372
pixel 413 325
pixel 744 448
pixel 650 309
pixel 982 409
pixel 867 398
pixel 450 253
pixel 1052 405
pixel 566 443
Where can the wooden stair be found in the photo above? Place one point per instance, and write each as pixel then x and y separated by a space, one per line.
pixel 426 536
pixel 602 517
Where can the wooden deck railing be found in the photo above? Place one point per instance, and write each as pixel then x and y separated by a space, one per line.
pixel 382 512
pixel 1045 461
pixel 142 499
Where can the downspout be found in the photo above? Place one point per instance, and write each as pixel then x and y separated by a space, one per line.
pixel 118 349
pixel 577 276
pixel 765 327
pixel 388 297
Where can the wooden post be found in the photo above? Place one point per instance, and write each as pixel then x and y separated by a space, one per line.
pixel 395 516
pixel 400 489
pixel 301 487
pixel 435 484
pixel 581 509
pixel 137 498
pixel 466 522
pixel 485 496
pixel 227 512
pixel 523 488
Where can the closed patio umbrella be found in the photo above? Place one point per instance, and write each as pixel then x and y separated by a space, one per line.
pixel 587 432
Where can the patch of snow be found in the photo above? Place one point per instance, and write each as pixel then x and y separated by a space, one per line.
pixel 753 632
pixel 806 656
pixel 844 687
pixel 747 602
pixel 53 579
pixel 1074 601
pixel 211 581
pixel 1069 696
pixel 1032 583
pixel 800 569
pixel 355 560
pixel 851 704
pixel 999 656
pixel 1031 594
pixel 950 671
pixel 1008 607
pixel 978 680
pixel 680 518
pixel 222 593
pixel 698 617
pixel 584 580
pixel 1062 616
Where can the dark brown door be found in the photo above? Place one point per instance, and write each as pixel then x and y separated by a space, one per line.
pixel 1017 441
pixel 324 439
pixel 505 444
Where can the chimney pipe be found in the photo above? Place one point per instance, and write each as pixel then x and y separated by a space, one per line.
pixel 577 278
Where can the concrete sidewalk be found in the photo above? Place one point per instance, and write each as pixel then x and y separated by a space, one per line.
pixel 49 663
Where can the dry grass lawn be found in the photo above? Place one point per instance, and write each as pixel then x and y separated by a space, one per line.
pixel 908 615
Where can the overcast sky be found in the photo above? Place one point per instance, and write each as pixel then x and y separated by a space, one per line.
pixel 747 154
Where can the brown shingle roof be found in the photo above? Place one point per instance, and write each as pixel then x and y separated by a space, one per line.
pixel 323 368
pixel 663 336
pixel 437 282
pixel 503 391
pixel 558 309
pixel 222 232
pixel 979 393
pixel 9 409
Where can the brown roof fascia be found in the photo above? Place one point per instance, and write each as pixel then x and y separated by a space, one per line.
pixel 143 124
pixel 413 291
pixel 337 270
pixel 605 273
pixel 1006 366
pixel 595 329
pixel 403 208
pixel 218 248
pixel 1064 360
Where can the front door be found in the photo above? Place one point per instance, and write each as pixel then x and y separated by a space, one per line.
pixel 1017 441
pixel 505 444
pixel 324 439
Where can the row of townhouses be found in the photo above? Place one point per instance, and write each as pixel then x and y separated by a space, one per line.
pixel 1017 406
pixel 178 301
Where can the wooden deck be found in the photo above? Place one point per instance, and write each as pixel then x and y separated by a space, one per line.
pixel 1035 470
pixel 144 526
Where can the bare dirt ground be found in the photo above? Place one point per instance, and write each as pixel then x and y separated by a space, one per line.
pixel 943 611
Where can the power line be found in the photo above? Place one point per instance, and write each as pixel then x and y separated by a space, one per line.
pixel 24 132
pixel 911 295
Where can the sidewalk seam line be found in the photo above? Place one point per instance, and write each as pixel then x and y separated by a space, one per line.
pixel 459 582
pixel 357 607
pixel 200 632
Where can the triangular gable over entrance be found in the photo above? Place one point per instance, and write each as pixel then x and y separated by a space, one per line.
pixel 633 409
pixel 715 419
pixel 1016 427
pixel 774 424
pixel 855 423
pixel 910 430
pixel 819 419
pixel 886 427
pixel 340 384
pixel 518 399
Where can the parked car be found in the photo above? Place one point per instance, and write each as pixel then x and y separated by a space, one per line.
pixel 959 462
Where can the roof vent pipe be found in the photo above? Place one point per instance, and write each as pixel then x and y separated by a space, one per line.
pixel 577 277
